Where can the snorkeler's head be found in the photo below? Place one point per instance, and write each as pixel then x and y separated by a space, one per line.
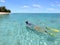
pixel 26 22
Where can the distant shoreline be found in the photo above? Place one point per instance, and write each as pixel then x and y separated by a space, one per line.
pixel 4 13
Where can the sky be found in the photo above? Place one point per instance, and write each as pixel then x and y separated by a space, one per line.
pixel 32 6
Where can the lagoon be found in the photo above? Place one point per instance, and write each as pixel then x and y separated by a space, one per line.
pixel 13 29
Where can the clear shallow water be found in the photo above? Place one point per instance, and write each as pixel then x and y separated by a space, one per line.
pixel 13 30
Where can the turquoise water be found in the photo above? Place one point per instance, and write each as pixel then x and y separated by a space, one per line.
pixel 13 29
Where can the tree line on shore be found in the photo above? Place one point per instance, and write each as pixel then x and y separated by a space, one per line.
pixel 3 9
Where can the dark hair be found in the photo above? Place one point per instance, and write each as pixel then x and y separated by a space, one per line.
pixel 26 22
